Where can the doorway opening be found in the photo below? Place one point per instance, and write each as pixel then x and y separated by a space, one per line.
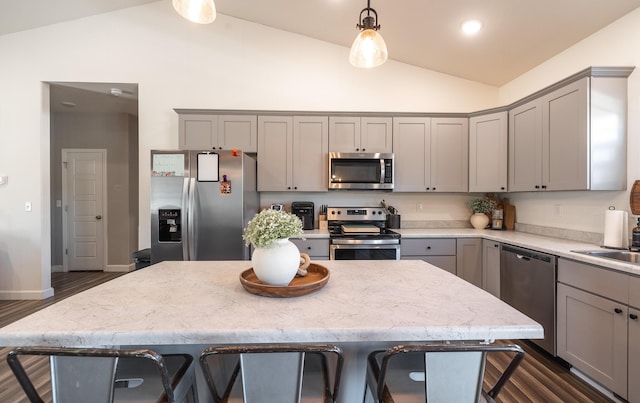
pixel 87 117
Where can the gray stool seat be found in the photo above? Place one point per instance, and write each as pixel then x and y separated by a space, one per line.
pixel 436 373
pixel 108 375
pixel 273 372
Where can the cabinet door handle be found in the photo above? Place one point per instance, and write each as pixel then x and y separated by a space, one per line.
pixel 428 247
pixel 633 316
pixel 617 310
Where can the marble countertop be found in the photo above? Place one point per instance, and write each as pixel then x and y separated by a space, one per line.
pixel 204 303
pixel 555 246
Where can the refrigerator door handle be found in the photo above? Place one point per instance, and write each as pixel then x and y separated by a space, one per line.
pixel 185 221
pixel 191 213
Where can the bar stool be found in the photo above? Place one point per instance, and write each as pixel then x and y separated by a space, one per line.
pixel 273 372
pixel 108 375
pixel 436 373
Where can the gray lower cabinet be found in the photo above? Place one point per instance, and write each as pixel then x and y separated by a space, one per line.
pixel 491 267
pixel 634 340
pixel 440 252
pixel 595 325
pixel 317 249
pixel 469 260
pixel 462 256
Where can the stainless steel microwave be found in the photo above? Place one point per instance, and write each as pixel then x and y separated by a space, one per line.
pixel 361 171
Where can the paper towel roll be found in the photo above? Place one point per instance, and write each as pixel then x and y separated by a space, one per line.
pixel 615 229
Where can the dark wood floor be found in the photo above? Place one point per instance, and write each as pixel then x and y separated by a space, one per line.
pixel 538 379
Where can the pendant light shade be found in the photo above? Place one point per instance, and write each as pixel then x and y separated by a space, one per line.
pixel 200 11
pixel 368 49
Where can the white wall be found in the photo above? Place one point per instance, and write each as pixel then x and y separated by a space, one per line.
pixel 230 64
pixel 615 45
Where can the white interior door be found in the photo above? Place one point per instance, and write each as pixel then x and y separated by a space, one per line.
pixel 84 207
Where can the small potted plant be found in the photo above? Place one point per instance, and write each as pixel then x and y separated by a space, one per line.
pixel 275 259
pixel 480 208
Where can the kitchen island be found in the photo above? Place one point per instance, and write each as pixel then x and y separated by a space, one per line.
pixel 186 306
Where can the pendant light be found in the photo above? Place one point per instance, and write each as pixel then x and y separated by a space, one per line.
pixel 368 49
pixel 200 11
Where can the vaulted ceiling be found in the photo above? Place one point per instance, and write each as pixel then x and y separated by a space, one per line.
pixel 517 34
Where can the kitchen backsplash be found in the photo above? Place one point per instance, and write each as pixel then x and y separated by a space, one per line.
pixel 573 235
pixel 420 210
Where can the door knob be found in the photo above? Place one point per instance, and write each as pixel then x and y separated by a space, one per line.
pixel 98 217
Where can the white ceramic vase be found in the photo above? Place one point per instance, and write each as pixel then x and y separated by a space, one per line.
pixel 479 220
pixel 277 264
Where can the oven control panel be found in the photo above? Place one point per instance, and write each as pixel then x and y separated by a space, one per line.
pixel 356 214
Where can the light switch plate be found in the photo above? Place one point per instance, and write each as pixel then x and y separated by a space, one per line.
pixel 3 180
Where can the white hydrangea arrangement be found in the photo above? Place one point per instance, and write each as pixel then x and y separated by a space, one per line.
pixel 270 225
pixel 484 205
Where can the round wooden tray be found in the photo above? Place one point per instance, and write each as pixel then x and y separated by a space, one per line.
pixel 317 276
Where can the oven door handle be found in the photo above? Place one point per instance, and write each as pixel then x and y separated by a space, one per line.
pixel 364 244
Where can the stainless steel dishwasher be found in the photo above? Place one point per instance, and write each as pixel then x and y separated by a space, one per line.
pixel 528 283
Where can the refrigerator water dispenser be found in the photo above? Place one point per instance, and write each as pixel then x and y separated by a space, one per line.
pixel 169 225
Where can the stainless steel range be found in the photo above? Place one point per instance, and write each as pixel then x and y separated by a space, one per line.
pixel 360 233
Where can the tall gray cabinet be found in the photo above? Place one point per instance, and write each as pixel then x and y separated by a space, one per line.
pixel 563 137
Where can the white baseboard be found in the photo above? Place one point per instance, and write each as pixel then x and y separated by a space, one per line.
pixel 26 295
pixel 57 268
pixel 120 268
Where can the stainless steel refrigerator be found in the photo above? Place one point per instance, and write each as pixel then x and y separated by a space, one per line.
pixel 200 203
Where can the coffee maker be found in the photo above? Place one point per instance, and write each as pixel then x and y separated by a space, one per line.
pixel 305 211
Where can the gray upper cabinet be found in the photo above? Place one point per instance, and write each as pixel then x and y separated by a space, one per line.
pixel 293 153
pixel 572 138
pixel 488 151
pixel 360 134
pixel 449 154
pixel 218 132
pixel 431 154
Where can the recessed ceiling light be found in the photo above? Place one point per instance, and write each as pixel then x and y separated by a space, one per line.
pixel 68 104
pixel 116 92
pixel 471 27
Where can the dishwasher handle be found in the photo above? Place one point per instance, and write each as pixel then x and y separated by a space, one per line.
pixel 527 255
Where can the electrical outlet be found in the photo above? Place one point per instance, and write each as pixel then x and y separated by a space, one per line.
pixel 419 207
pixel 27 206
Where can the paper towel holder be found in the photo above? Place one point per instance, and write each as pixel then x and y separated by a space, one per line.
pixel 616 229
